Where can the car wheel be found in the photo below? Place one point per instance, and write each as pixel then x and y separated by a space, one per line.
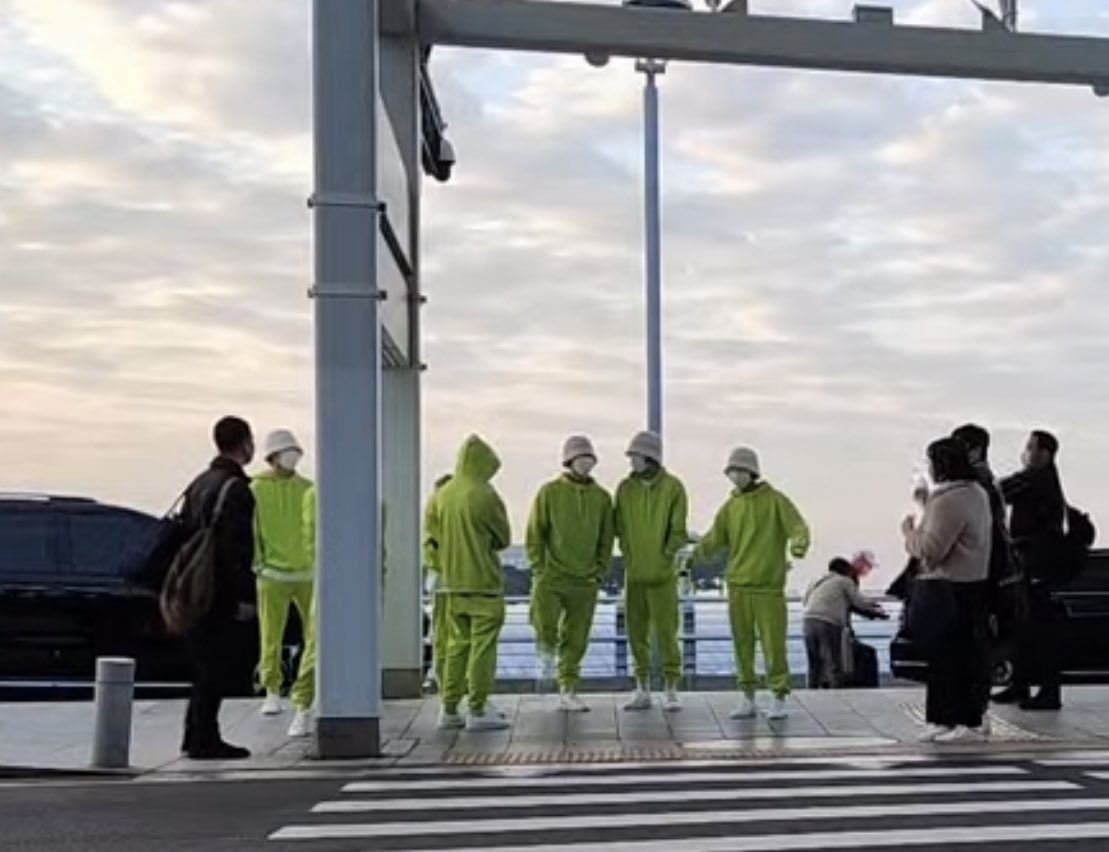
pixel 1003 673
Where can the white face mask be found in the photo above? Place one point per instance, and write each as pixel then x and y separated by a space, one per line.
pixel 583 466
pixel 288 460
pixel 741 479
pixel 638 463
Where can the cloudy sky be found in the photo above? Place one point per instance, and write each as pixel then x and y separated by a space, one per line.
pixel 852 265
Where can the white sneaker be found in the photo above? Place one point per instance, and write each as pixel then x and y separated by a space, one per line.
pixel 746 709
pixel 985 730
pixel 450 721
pixel 961 734
pixel 641 698
pixel 302 725
pixel 931 733
pixel 777 709
pixel 486 721
pixel 672 702
pixel 570 703
pixel 273 705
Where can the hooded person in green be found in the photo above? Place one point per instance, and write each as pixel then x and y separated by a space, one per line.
pixel 755 528
pixel 470 525
pixel 569 543
pixel 651 516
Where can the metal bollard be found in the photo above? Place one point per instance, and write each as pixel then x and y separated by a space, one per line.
pixel 115 691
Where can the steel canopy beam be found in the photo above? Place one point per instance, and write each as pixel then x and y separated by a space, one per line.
pixel 741 39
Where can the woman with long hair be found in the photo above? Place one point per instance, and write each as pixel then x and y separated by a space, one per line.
pixel 952 546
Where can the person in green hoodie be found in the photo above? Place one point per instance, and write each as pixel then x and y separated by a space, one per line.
pixel 651 517
pixel 471 526
pixel 755 528
pixel 569 544
pixel 440 623
pixel 285 576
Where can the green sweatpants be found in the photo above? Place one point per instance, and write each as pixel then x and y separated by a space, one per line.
pixel 562 617
pixel 274 599
pixel 652 609
pixel 760 615
pixel 440 634
pixel 303 693
pixel 475 627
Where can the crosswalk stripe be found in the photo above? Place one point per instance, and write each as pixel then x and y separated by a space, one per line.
pixel 677 778
pixel 567 823
pixel 631 797
pixel 828 840
pixel 1064 762
pixel 1100 776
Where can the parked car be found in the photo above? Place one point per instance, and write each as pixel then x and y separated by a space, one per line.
pixel 65 596
pixel 1084 624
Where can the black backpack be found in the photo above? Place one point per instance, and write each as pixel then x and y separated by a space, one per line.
pixel 1077 541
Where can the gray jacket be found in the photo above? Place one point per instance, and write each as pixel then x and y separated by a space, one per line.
pixel 953 539
pixel 832 597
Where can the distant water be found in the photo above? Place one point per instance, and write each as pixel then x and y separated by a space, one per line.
pixel 516 655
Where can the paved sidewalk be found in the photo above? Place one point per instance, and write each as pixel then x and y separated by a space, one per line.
pixel 57 737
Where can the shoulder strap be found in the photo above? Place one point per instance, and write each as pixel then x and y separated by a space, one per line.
pixel 221 500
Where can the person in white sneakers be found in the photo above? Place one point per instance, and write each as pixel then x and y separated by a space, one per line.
pixel 756 528
pixel 569 544
pixel 651 515
pixel 285 573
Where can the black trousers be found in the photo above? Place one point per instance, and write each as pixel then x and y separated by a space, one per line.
pixel 824 648
pixel 959 670
pixel 1036 660
pixel 210 650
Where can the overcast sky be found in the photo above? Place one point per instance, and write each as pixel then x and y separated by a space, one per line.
pixel 852 265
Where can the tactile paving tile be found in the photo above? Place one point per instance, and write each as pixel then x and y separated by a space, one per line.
pixel 1000 729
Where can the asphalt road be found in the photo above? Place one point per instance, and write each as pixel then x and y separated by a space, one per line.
pixel 1052 803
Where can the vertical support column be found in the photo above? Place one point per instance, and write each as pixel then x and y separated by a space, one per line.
pixel 402 634
pixel 653 242
pixel 348 376
pixel 403 617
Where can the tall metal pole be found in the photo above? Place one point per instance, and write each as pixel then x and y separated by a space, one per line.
pixel 348 376
pixel 651 68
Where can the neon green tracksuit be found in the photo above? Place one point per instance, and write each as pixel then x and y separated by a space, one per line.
pixel 755 527
pixel 651 517
pixel 285 575
pixel 440 623
pixel 471 526
pixel 569 543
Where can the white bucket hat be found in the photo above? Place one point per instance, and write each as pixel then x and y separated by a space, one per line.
pixel 744 458
pixel 577 446
pixel 648 445
pixel 278 441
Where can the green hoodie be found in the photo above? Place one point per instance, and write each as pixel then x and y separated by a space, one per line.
pixel 431 545
pixel 308 509
pixel 279 533
pixel 651 518
pixel 755 527
pixel 570 531
pixel 470 525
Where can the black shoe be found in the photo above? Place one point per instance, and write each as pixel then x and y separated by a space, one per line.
pixel 1045 700
pixel 1011 695
pixel 219 751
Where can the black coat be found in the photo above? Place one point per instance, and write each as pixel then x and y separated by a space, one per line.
pixel 234 532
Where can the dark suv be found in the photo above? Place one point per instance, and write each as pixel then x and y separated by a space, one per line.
pixel 1084 623
pixel 65 596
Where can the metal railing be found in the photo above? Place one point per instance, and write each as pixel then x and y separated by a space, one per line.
pixel 705 636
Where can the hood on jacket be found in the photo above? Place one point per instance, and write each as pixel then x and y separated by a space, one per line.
pixel 477 460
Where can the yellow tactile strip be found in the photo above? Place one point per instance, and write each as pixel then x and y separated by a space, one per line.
pixel 1000 729
pixel 676 752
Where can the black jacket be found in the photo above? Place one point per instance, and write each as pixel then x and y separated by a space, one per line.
pixel 1036 522
pixel 234 533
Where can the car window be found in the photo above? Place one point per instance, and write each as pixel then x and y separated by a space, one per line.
pixel 104 544
pixel 27 544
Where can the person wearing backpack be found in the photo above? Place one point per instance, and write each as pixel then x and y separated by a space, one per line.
pixel 1037 518
pixel 224 485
